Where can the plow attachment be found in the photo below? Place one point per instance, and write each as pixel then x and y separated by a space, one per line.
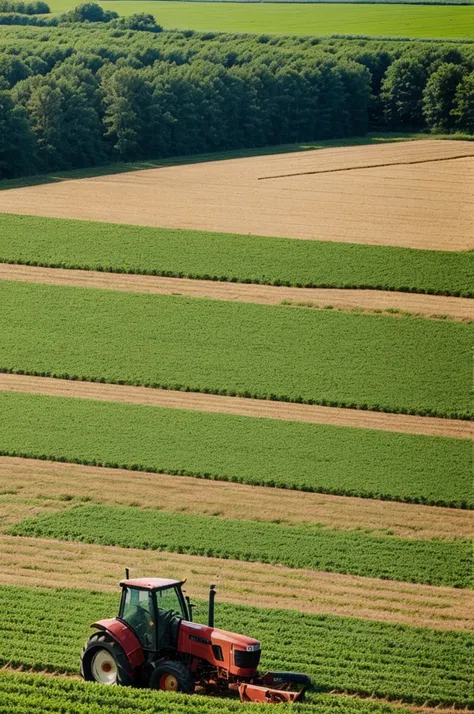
pixel 275 687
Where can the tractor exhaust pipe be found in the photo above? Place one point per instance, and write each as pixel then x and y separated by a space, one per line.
pixel 212 597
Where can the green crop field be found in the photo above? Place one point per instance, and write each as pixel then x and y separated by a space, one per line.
pixel 432 562
pixel 45 629
pixel 266 452
pixel 293 19
pixel 239 258
pixel 37 694
pixel 270 352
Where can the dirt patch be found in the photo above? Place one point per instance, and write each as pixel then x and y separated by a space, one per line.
pixel 431 426
pixel 30 487
pixel 391 201
pixel 426 305
pixel 40 562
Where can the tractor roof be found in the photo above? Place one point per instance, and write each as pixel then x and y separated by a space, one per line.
pixel 151 583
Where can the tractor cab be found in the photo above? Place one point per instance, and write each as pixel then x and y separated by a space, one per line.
pixel 154 608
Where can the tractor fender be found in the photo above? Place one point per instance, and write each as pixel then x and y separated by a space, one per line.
pixel 125 637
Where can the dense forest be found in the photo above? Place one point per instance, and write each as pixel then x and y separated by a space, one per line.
pixel 82 93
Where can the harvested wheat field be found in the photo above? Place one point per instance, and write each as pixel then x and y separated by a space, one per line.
pixel 434 306
pixel 36 486
pixel 415 194
pixel 37 562
pixel 268 409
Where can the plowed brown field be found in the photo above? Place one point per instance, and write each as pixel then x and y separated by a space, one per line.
pixel 416 194
pixel 427 305
pixel 38 562
pixel 430 426
pixel 32 486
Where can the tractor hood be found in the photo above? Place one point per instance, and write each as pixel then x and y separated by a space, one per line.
pixel 238 654
pixel 219 637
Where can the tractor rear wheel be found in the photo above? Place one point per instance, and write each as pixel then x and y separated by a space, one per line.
pixel 105 662
pixel 172 676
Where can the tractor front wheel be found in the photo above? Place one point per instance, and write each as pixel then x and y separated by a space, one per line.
pixel 172 676
pixel 104 661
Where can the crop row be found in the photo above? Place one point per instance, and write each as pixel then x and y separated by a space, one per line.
pixel 37 694
pixel 45 629
pixel 224 447
pixel 60 243
pixel 268 352
pixel 432 562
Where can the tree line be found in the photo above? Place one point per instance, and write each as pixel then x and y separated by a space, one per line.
pixel 85 93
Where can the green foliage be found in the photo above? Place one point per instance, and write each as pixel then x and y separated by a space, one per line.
pixel 117 248
pixel 36 7
pixel 269 352
pixel 36 693
pixel 88 12
pixel 266 452
pixel 45 629
pixel 139 21
pixel 432 562
pixel 16 18
pixel 16 139
pixel 464 102
pixel 157 94
pixel 439 97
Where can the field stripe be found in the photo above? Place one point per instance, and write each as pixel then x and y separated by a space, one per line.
pixel 33 486
pixel 265 452
pixel 309 546
pixel 368 166
pixel 427 305
pixel 37 562
pixel 287 411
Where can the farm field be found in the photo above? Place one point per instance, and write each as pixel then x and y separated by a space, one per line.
pixel 33 562
pixel 240 406
pixel 86 245
pixel 432 562
pixel 395 657
pixel 338 531
pixel 316 19
pixel 36 487
pixel 411 194
pixel 389 302
pixel 298 456
pixel 32 693
pixel 80 329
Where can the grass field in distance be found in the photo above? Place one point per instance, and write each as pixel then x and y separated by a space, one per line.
pixel 289 19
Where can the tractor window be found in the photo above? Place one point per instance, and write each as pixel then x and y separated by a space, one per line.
pixel 169 600
pixel 138 613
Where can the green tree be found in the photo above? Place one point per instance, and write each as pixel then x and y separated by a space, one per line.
pixel 463 110
pixel 439 97
pixel 17 144
pixel 127 102
pixel 402 92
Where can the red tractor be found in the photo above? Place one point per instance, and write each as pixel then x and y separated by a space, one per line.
pixel 154 643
